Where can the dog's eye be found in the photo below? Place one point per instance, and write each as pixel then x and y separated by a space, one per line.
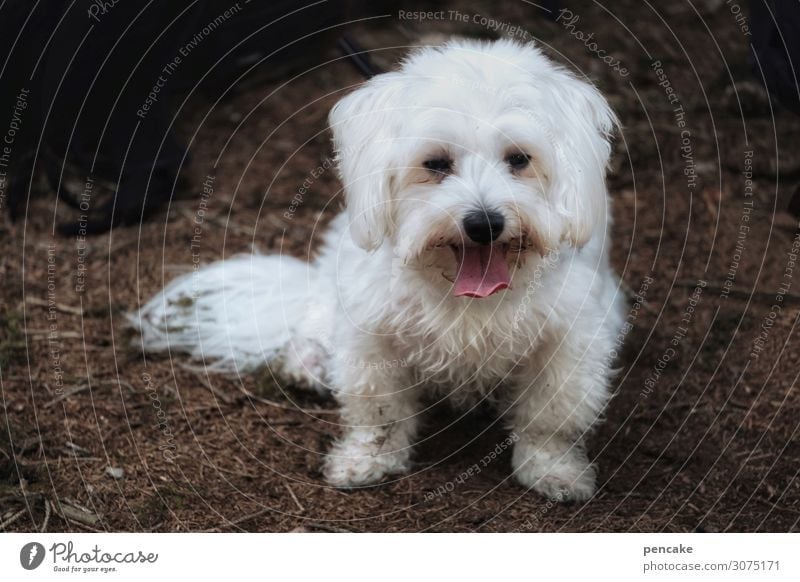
pixel 439 165
pixel 518 161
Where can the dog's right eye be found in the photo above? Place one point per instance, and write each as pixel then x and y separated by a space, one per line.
pixel 518 161
pixel 439 165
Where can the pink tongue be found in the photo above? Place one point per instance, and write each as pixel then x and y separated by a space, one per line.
pixel 483 271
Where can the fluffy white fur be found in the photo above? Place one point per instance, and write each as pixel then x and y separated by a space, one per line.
pixel 374 318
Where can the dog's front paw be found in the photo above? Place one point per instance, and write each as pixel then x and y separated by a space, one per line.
pixel 357 464
pixel 557 469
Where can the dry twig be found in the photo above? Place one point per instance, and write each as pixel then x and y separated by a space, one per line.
pixel 295 499
pixel 12 519
pixel 46 516
pixel 57 306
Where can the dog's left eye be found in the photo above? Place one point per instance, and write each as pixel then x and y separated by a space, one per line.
pixel 518 161
pixel 439 165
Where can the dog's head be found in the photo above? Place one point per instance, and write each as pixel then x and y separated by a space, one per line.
pixel 471 155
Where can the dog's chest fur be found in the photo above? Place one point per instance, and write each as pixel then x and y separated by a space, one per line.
pixel 467 354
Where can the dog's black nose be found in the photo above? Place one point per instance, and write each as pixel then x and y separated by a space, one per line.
pixel 484 226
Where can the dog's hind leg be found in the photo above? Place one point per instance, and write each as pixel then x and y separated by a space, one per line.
pixel 305 359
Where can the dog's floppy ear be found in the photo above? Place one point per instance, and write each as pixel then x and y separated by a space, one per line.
pixel 362 135
pixel 585 125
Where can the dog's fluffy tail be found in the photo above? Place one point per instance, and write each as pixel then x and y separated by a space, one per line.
pixel 237 315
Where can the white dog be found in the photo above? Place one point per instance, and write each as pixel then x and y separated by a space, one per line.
pixel 471 263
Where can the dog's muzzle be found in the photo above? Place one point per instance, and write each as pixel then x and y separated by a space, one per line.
pixel 481 262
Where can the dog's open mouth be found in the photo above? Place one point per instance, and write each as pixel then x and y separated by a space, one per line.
pixel 482 270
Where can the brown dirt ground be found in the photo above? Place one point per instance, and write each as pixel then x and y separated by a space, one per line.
pixel 713 447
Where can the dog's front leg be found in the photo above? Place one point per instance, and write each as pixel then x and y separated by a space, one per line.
pixel 559 396
pixel 379 411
